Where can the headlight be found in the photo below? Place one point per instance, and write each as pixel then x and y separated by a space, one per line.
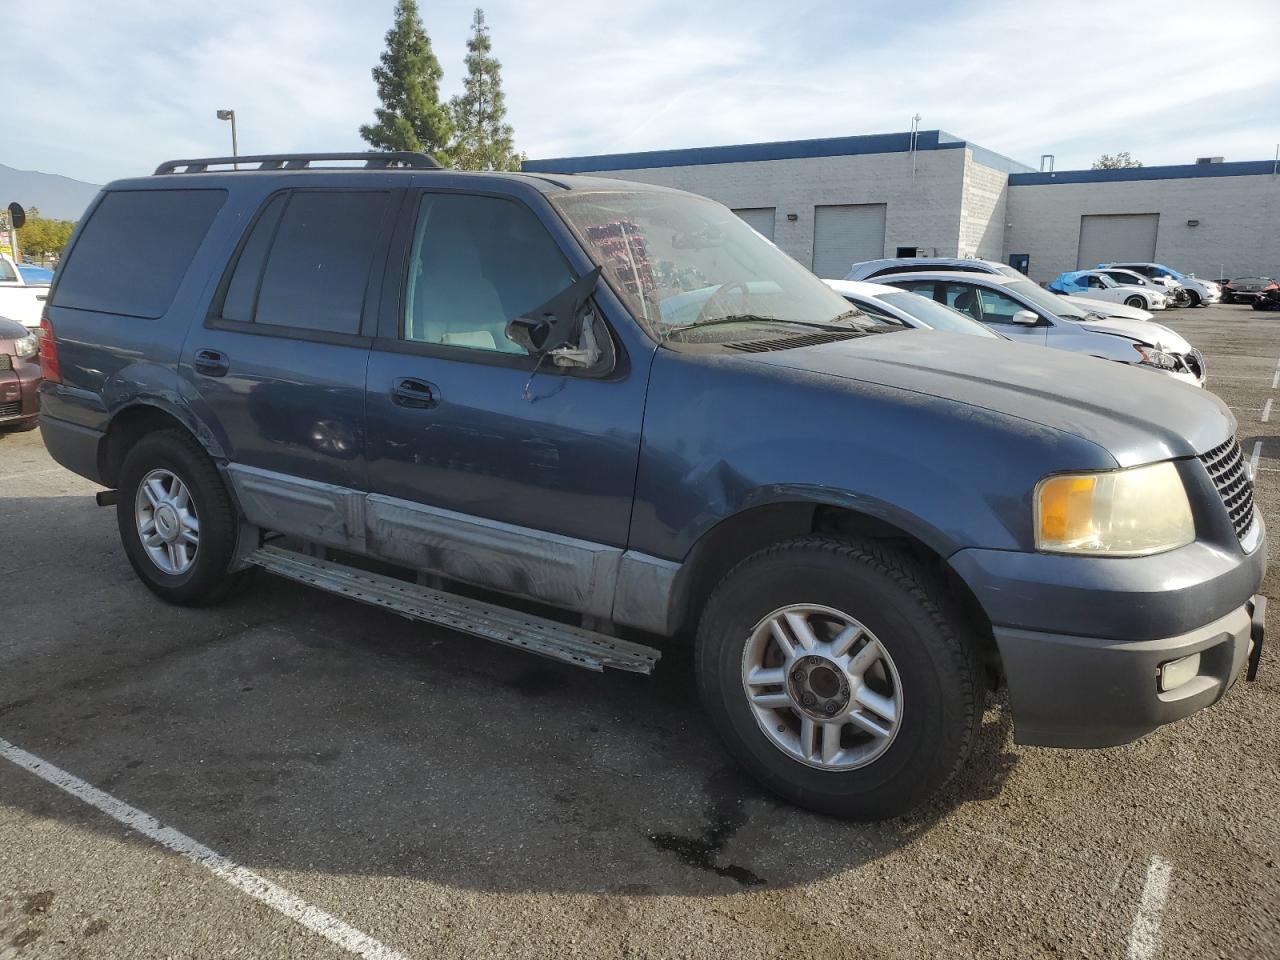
pixel 1121 513
pixel 1155 358
pixel 27 345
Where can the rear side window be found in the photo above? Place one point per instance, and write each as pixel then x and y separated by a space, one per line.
pixel 306 262
pixel 134 251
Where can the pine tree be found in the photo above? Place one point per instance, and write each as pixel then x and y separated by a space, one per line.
pixel 484 138
pixel 408 77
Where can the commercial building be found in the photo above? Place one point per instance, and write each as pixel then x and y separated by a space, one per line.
pixel 836 201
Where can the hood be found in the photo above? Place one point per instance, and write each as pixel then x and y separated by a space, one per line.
pixel 1143 331
pixel 1109 309
pixel 1138 416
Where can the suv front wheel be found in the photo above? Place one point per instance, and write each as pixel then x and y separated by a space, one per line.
pixel 840 675
pixel 177 523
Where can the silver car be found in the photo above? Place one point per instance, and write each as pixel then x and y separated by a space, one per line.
pixel 1023 311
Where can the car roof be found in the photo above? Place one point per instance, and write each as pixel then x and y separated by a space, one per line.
pixel 863 288
pixel 543 182
pixel 996 278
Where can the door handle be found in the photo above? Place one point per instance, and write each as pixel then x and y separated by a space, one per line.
pixel 412 392
pixel 211 363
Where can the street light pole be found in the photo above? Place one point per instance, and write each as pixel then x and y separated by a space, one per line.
pixel 231 115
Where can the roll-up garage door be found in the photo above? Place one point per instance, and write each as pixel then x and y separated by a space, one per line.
pixel 760 219
pixel 845 235
pixel 1125 236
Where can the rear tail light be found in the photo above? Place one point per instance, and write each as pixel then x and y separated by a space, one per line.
pixel 49 353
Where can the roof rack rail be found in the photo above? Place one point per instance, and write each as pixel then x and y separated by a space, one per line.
pixel 373 160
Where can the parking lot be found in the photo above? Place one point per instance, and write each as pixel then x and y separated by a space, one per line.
pixel 419 793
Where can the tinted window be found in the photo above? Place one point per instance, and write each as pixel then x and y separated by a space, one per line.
pixel 477 263
pixel 242 293
pixel 7 274
pixel 981 303
pixel 318 266
pixel 135 250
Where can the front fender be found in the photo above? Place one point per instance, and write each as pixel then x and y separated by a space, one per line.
pixel 720 440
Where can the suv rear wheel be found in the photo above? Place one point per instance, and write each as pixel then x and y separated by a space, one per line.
pixel 840 675
pixel 177 522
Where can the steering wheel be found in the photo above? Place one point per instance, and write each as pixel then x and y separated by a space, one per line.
pixel 721 297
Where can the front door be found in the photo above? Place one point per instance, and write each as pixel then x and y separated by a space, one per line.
pixel 486 465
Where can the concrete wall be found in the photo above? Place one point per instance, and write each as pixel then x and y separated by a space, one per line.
pixel 983 207
pixel 921 213
pixel 1238 233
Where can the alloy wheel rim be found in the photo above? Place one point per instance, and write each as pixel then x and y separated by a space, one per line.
pixel 168 525
pixel 822 687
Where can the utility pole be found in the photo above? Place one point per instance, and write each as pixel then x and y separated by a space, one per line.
pixel 915 136
pixel 235 147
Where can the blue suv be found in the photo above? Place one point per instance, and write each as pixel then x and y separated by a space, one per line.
pixel 624 416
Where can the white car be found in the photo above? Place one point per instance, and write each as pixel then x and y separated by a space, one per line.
pixel 1200 291
pixel 19 299
pixel 881 270
pixel 1099 285
pixel 892 305
pixel 1023 311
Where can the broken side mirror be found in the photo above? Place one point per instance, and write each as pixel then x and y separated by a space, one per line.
pixel 559 326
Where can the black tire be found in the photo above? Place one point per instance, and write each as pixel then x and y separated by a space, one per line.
pixel 1136 301
pixel 207 580
pixel 1193 299
pixel 893 595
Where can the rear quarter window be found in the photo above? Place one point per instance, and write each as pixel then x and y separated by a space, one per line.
pixel 135 249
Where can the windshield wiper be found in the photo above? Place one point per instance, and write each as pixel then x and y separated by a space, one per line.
pixel 831 324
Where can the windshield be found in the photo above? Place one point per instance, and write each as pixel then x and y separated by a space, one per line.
pixel 681 262
pixel 1050 302
pixel 936 316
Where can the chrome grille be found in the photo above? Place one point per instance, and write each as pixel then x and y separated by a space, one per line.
pixel 10 409
pixel 1227 469
pixel 6 362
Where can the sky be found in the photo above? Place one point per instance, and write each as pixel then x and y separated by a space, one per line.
pixel 108 88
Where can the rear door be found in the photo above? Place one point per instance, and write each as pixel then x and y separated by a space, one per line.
pixel 484 464
pixel 277 371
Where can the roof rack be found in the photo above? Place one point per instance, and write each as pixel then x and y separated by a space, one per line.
pixel 373 160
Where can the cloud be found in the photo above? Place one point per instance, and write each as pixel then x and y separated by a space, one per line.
pixel 111 88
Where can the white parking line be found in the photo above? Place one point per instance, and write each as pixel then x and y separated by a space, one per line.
pixel 276 897
pixel 1144 935
pixel 1266 410
pixel 1253 460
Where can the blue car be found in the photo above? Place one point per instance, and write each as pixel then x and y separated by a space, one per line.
pixel 34 275
pixel 621 402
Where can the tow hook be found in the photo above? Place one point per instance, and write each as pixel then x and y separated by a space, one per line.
pixel 107 498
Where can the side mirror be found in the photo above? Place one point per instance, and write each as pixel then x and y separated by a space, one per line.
pixel 555 324
pixel 1027 318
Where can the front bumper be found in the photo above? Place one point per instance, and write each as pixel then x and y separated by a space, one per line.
pixel 1070 691
pixel 1081 638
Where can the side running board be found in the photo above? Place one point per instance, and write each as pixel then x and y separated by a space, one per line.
pixel 550 638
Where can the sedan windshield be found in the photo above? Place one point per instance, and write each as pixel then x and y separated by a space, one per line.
pixel 1051 302
pixel 682 263
pixel 936 316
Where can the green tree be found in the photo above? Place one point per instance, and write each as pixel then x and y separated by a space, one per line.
pixel 408 77
pixel 484 138
pixel 41 237
pixel 1119 161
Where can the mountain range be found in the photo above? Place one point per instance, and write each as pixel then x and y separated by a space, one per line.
pixel 55 196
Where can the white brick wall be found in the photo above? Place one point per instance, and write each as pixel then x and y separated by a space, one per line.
pixel 924 214
pixel 982 211
pixel 1238 233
